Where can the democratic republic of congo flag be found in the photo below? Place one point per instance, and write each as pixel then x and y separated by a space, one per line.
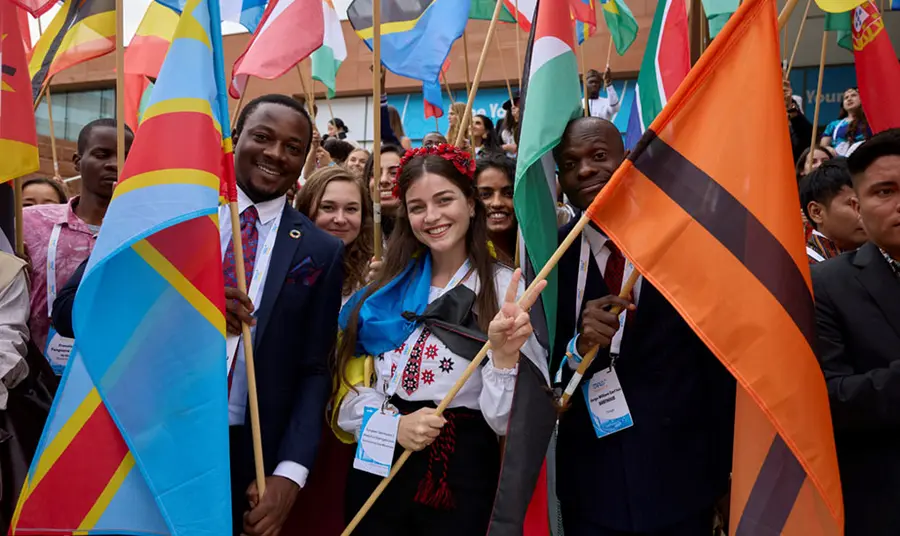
pixel 18 137
pixel 81 31
pixel 715 229
pixel 137 439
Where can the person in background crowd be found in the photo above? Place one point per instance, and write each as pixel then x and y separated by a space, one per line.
pixel 827 198
pixel 858 327
pixel 850 128
pixel 42 191
pixel 337 129
pixel 665 473
pixel 798 125
pixel 397 127
pixel 59 237
pixel 509 127
pixel 316 152
pixel 604 108
pixel 484 136
pixel 14 336
pixel 494 178
pixel 338 202
pixel 338 151
pixel 820 156
pixel 302 271
pixel 437 258
pixel 433 138
pixel 454 117
pixel 390 164
pixel 356 162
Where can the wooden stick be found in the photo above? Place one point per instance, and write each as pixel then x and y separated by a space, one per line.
pixel 503 68
pixel 589 358
pixel 519 66
pixel 437 124
pixel 20 219
pixel 786 13
pixel 815 124
pixel 308 94
pixel 464 125
pixel 790 64
pixel 474 366
pixel 240 103
pixel 330 111
pixel 478 71
pixel 247 341
pixel 447 85
pixel 40 96
pixel 376 124
pixel 120 92
pixel 53 131
pixel 586 103
pixel 609 50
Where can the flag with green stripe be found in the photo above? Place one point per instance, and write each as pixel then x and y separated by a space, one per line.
pixel 840 23
pixel 621 23
pixel 484 10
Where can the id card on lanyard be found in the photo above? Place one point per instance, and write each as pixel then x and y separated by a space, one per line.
pixel 58 347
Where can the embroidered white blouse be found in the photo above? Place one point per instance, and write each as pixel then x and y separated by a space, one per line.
pixel 432 370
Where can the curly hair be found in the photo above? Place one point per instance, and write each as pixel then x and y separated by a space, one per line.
pixel 358 253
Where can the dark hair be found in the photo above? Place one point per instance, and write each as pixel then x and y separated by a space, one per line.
pixel 886 143
pixel 338 149
pixel 358 253
pixel 491 141
pixel 801 162
pixel 338 123
pixel 859 124
pixel 435 133
pixel 63 198
pixel 509 123
pixel 368 173
pixel 396 122
pixel 88 128
pixel 273 98
pixel 403 246
pixel 496 161
pixel 823 184
pixel 592 72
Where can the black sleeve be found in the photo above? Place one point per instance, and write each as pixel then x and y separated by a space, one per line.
pixel 387 133
pixel 801 134
pixel 65 299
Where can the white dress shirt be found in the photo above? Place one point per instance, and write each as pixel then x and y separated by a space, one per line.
pixel 269 213
pixel 605 108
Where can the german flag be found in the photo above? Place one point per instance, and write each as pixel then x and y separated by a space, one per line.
pixel 81 31
pixel 18 138
pixel 706 208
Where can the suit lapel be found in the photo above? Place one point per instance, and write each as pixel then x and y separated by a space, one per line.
pixel 881 283
pixel 290 235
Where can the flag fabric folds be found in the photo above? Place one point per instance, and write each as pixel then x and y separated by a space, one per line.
pixel 838 6
pixel 328 58
pixel 718 12
pixel 484 10
pixel 877 69
pixel 416 35
pixel 247 13
pixel 696 229
pixel 667 60
pixel 81 31
pixel 432 97
pixel 526 11
pixel 35 7
pixel 144 57
pixel 18 138
pixel 116 457
pixel 621 23
pixel 841 24
pixel 277 46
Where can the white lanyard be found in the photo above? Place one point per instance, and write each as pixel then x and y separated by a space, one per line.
pixel 583 260
pixel 390 387
pixel 51 267
pixel 261 263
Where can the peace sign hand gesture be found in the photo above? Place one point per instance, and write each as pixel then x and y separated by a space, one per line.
pixel 511 327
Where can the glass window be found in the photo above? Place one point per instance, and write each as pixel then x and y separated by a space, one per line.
pixel 72 110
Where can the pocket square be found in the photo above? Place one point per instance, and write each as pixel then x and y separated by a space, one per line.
pixel 305 272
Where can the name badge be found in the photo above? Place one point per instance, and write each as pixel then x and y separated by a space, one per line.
pixel 375 450
pixel 606 403
pixel 58 350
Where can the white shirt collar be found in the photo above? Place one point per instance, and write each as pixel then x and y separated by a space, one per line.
pixel 268 210
pixel 595 238
pixel 817 233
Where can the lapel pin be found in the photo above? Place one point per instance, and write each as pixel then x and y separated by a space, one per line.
pixel 294 233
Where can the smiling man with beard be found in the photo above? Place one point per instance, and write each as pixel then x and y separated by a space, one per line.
pixel 661 471
pixel 294 276
pixel 60 237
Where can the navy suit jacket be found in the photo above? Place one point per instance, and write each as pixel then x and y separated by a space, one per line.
pixel 676 459
pixel 295 335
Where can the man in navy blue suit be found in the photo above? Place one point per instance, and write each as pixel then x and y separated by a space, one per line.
pixel 663 471
pixel 294 277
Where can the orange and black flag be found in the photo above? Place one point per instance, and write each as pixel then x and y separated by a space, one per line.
pixel 18 138
pixel 706 208
pixel 81 31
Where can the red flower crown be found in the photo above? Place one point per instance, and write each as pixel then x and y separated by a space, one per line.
pixel 461 160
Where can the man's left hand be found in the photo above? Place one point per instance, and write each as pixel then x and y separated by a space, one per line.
pixel 267 515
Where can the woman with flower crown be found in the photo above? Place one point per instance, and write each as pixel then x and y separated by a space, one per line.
pixel 438 298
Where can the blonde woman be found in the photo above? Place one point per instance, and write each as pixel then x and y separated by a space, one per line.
pixel 457 111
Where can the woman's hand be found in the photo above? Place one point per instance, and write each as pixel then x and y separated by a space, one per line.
pixel 375 267
pixel 418 430
pixel 511 327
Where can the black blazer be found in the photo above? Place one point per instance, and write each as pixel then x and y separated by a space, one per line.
pixel 295 335
pixel 676 459
pixel 858 325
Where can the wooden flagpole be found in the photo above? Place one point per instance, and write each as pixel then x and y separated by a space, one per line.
pixel 376 124
pixel 815 124
pixel 240 102
pixel 786 13
pixel 467 116
pixel 519 66
pixel 790 64
pixel 609 50
pixel 46 92
pixel 120 91
pixel 503 68
pixel 586 103
pixel 463 127
pixel 447 85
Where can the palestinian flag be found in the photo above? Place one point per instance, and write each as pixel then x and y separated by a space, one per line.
pixel 81 31
pixel 327 59
pixel 666 62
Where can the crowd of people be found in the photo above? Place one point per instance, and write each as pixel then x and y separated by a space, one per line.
pixel 450 252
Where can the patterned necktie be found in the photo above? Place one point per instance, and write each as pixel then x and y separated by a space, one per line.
pixel 615 274
pixel 249 242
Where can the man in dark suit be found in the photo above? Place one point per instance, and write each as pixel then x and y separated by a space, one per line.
pixel 663 475
pixel 858 325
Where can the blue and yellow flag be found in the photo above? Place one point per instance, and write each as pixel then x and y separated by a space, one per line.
pixel 137 439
